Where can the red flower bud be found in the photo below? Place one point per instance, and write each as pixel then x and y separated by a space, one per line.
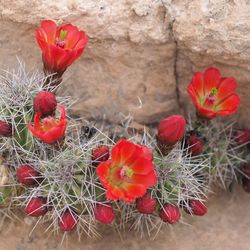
pixel 195 145
pixel 196 207
pixel 45 103
pixel 242 136
pixel 100 154
pixel 146 204
pixel 36 207
pixel 27 175
pixel 171 130
pixel 104 213
pixel 170 213
pixel 68 220
pixel 5 129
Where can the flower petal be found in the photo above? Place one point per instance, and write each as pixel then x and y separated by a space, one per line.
pixel 103 171
pixel 148 180
pixel 53 135
pixel 115 193
pixel 134 191
pixel 110 195
pixel 196 87
pixel 72 37
pixel 229 105
pixel 123 151
pixel 142 166
pixel 48 31
pixel 208 113
pixel 226 88
pixel 211 79
pixel 81 44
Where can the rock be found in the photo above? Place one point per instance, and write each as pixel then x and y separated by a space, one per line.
pixel 137 51
pixel 128 66
pixel 213 33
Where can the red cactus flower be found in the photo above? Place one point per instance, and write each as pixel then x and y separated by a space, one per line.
pixel 171 130
pixel 195 145
pixel 146 204
pixel 242 136
pixel 27 175
pixel 100 154
pixel 68 220
pixel 45 103
pixel 49 129
pixel 196 207
pixel 36 207
pixel 170 213
pixel 60 46
pixel 104 213
pixel 128 174
pixel 212 94
pixel 5 129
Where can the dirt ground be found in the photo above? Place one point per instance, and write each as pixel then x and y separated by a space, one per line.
pixel 226 226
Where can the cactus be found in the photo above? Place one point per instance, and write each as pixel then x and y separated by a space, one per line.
pixel 225 156
pixel 67 182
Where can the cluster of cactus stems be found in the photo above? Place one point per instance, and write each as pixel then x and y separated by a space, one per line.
pixel 66 174
pixel 221 149
pixel 58 180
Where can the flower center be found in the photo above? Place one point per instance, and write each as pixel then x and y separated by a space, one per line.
pixel 211 98
pixel 48 123
pixel 60 40
pixel 213 91
pixel 126 172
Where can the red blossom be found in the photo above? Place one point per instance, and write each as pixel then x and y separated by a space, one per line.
pixel 27 175
pixel 195 145
pixel 68 220
pixel 171 130
pixel 128 174
pixel 45 103
pixel 212 94
pixel 37 206
pixel 170 213
pixel 60 46
pixel 146 204
pixel 104 213
pixel 49 129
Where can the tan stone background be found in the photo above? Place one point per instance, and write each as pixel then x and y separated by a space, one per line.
pixel 141 49
pixel 138 51
pixel 225 227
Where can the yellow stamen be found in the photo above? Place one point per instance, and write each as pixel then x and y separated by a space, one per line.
pixel 214 91
pixel 129 172
pixel 63 34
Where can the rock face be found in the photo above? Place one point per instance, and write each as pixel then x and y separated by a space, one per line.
pixel 214 33
pixel 139 52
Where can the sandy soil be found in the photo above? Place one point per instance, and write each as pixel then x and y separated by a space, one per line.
pixel 226 226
